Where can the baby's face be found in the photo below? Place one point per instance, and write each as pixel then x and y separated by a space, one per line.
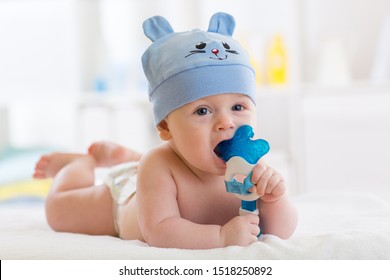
pixel 197 128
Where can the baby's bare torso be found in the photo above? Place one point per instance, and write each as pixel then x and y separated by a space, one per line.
pixel 198 202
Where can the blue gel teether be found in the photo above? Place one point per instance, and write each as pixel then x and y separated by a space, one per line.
pixel 243 146
pixel 241 153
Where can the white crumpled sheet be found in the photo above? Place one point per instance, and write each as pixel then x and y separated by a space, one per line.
pixel 332 225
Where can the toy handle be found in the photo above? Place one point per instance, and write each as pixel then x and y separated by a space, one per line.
pixel 238 166
pixel 243 212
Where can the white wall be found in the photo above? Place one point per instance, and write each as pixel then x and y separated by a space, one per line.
pixel 38 51
pixel 63 46
pixel 355 25
pixel 346 136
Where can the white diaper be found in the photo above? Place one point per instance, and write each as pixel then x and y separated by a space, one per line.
pixel 122 181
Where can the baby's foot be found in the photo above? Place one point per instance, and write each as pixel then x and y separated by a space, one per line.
pixel 49 165
pixel 108 154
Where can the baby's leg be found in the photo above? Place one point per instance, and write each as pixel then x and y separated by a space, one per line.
pixel 49 165
pixel 73 203
pixel 109 154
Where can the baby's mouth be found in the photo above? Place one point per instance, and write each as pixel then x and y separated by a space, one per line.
pixel 218 152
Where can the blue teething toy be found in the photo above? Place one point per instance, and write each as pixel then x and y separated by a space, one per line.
pixel 241 153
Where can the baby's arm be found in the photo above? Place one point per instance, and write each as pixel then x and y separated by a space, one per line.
pixel 278 216
pixel 160 220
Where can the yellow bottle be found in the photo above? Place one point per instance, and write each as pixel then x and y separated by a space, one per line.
pixel 277 62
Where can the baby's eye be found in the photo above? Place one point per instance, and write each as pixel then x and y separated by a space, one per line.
pixel 202 111
pixel 238 107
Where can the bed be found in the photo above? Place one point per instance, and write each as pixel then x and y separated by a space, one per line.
pixel 332 225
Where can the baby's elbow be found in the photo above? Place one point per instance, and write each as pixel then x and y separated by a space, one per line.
pixel 288 229
pixel 153 237
pixel 286 234
pixel 156 240
pixel 283 230
pixel 283 233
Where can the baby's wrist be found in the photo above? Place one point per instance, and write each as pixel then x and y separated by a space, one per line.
pixel 269 198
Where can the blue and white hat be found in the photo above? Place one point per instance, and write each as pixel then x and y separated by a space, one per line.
pixel 185 66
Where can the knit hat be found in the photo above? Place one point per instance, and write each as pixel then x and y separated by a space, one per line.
pixel 185 66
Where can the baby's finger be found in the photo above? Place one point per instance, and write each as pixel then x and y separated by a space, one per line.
pixel 279 189
pixel 252 218
pixel 272 183
pixel 254 230
pixel 257 172
pixel 252 189
pixel 263 181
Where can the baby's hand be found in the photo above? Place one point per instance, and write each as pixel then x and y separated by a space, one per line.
pixel 241 231
pixel 268 183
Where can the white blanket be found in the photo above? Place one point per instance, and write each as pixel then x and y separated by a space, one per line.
pixel 342 225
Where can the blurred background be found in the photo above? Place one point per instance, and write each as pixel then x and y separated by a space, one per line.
pixel 70 74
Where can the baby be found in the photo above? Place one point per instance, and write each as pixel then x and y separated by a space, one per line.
pixel 202 89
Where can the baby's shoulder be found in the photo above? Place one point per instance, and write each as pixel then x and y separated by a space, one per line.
pixel 160 156
pixel 155 171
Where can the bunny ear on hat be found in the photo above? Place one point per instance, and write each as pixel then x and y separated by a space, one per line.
pixel 222 23
pixel 156 27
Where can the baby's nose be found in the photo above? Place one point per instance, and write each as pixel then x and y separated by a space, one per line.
pixel 224 122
